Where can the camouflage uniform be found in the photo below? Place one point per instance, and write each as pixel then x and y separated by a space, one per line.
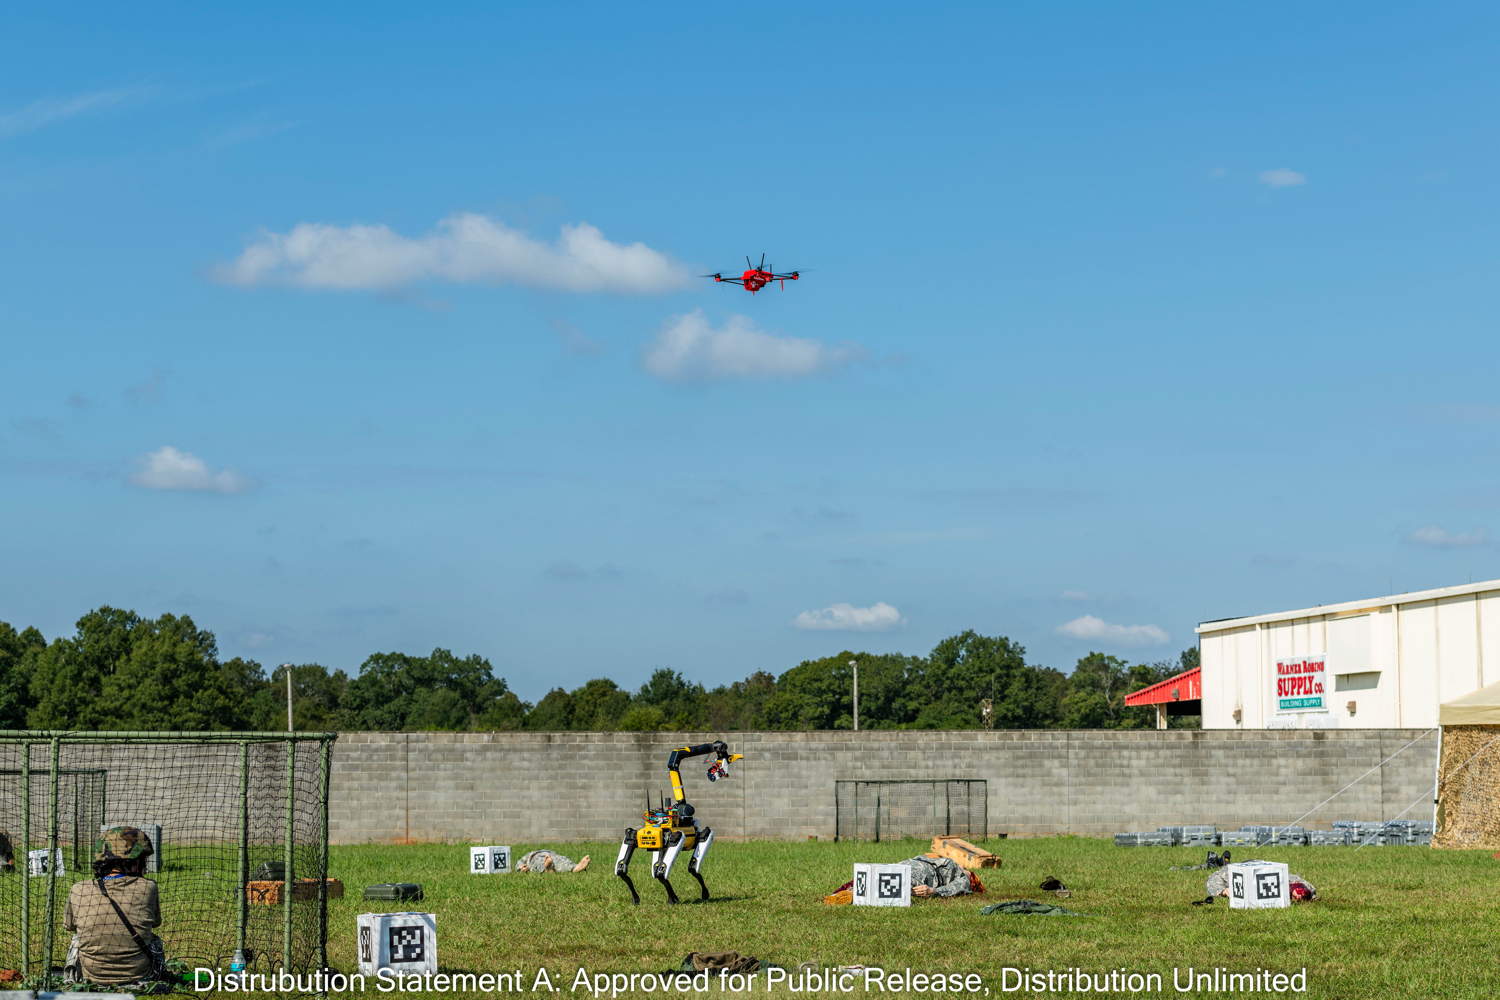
pixel 536 861
pixel 103 950
pixel 1218 882
pixel 943 874
pixel 7 854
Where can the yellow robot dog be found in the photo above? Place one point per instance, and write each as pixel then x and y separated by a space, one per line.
pixel 670 828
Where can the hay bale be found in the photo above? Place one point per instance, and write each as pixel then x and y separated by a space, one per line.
pixel 1468 812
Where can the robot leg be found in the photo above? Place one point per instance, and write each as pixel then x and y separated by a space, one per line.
pixel 695 863
pixel 622 864
pixel 662 868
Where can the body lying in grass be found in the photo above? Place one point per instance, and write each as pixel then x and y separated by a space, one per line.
pixel 931 877
pixel 550 861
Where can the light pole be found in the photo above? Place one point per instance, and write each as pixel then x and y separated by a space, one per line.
pixel 855 665
pixel 288 668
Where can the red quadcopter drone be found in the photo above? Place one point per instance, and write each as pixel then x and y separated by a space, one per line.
pixel 755 278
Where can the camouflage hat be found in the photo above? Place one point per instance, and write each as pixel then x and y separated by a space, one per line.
pixel 122 843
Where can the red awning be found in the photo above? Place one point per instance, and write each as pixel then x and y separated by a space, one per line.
pixel 1186 686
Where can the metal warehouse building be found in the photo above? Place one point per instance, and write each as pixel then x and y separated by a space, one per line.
pixel 1383 663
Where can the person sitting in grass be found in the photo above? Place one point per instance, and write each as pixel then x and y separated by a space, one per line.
pixel 113 918
pixel 550 861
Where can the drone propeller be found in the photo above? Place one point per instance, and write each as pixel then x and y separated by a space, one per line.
pixel 715 275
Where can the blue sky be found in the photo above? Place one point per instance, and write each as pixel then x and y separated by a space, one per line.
pixel 366 328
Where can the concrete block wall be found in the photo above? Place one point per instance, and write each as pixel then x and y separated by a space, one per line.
pixel 529 787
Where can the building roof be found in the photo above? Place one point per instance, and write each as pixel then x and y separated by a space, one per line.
pixel 1186 686
pixel 1368 604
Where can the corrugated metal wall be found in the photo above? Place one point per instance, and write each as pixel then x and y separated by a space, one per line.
pixel 1396 659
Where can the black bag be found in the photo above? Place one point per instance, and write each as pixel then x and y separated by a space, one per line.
pixel 394 890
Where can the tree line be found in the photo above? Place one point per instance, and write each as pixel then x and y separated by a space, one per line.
pixel 119 671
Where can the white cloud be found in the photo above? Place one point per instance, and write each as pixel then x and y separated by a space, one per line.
pixel 166 468
pixel 51 110
pixel 878 617
pixel 463 248
pixel 1440 538
pixel 1091 628
pixel 689 347
pixel 1282 177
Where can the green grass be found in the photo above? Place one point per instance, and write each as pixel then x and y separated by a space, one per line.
pixel 1392 922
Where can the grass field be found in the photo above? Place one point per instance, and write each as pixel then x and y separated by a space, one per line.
pixel 1391 922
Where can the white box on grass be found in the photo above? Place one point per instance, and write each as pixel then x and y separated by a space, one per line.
pixel 152 830
pixel 489 860
pixel 882 885
pixel 1259 885
pixel 405 943
pixel 36 861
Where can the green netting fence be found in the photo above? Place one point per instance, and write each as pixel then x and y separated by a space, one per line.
pixel 223 809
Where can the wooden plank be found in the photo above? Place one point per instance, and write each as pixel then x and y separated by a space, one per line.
pixel 965 853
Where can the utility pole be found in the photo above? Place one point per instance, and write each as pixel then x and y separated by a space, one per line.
pixel 855 665
pixel 288 668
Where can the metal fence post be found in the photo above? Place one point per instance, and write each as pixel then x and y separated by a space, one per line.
pixel 242 918
pixel 53 850
pixel 25 850
pixel 290 875
pixel 326 751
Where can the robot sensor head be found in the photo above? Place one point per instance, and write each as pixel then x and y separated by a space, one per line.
pixel 718 769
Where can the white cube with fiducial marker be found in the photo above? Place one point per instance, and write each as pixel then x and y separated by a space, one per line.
pixel 882 885
pixel 493 860
pixel 402 944
pixel 1259 885
pixel 37 862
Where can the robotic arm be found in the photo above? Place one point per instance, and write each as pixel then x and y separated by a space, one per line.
pixel 718 768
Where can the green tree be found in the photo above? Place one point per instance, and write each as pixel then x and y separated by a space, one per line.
pixel 15 692
pixel 397 692
pixel 643 719
pixel 317 699
pixel 1096 693
pixel 67 677
pixel 599 705
pixel 815 694
pixel 680 701
pixel 966 670
pixel 172 679
pixel 1051 688
pixel 739 706
pixel 553 713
